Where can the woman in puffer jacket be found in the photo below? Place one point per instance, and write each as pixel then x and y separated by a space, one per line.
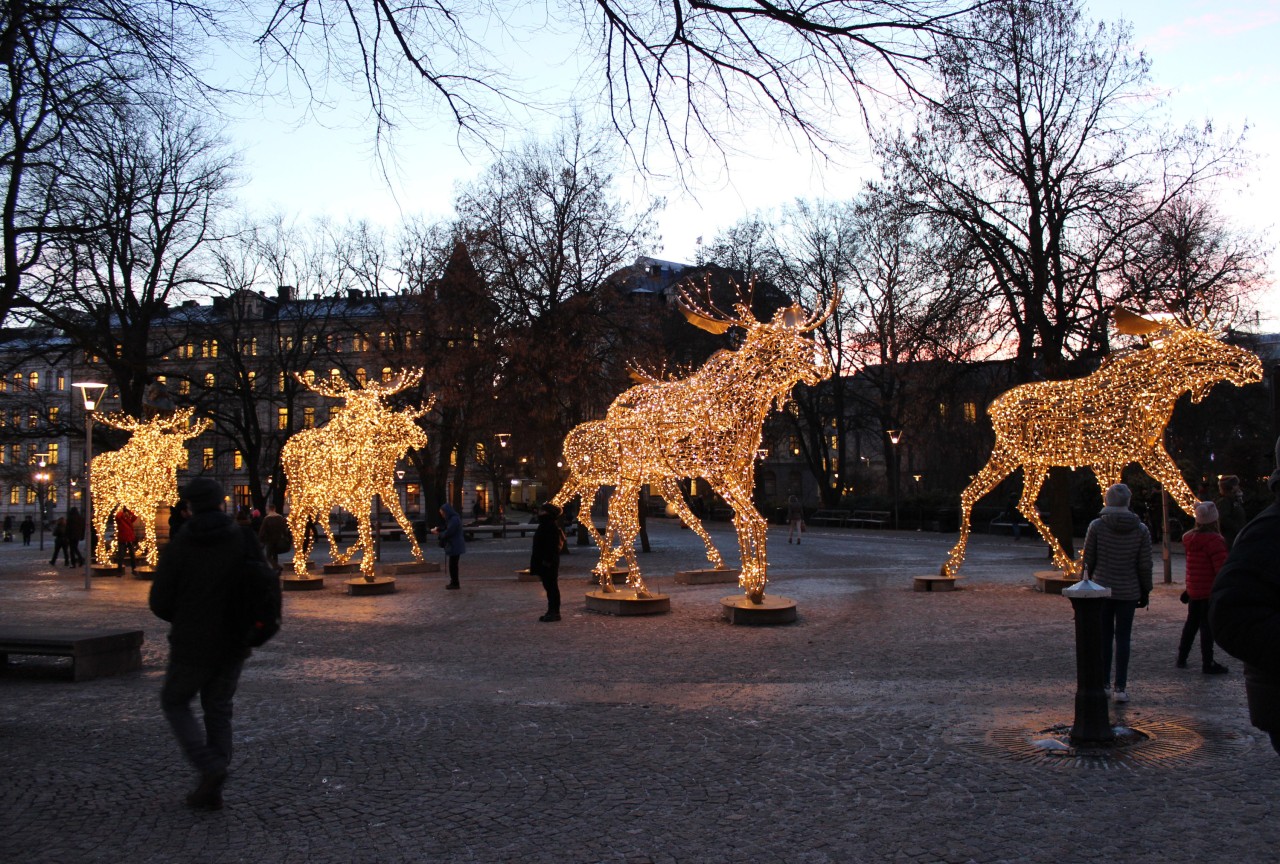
pixel 1206 550
pixel 1117 555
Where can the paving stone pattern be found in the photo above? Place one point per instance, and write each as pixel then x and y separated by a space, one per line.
pixel 452 726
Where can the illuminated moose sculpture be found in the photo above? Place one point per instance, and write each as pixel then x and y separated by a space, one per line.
pixel 1104 421
pixel 348 461
pixel 141 475
pixel 707 425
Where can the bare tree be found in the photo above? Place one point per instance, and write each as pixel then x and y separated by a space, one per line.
pixel 69 63
pixel 1040 151
pixel 673 74
pixel 1190 260
pixel 151 186
pixel 547 232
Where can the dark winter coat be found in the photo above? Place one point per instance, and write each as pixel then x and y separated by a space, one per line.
pixel 1206 553
pixel 451 539
pixel 1117 553
pixel 1231 517
pixel 547 539
pixel 195 588
pixel 1245 613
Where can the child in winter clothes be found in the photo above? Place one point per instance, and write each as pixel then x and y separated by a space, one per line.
pixel 1206 550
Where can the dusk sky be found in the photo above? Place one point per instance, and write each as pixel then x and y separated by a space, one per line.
pixel 1216 60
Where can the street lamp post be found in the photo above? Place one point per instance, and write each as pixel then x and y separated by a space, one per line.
pixel 91 393
pixel 503 439
pixel 895 435
pixel 42 484
pixel 919 506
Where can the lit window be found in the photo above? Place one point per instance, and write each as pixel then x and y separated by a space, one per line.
pixel 386 374
pixel 62 381
pixel 309 376
pixel 34 381
pixel 31 496
pixel 970 412
pixel 4 385
pixel 361 375
pixel 51 494
pixel 184 387
pixel 14 494
pixel 33 420
pixel 308 418
pixel 942 410
pixel 206 458
pixel 253 347
pixel 237 460
pixel 286 343
pixel 282 418
pixel 209 381
pixel 280 381
pixel 253 378
pixel 52 450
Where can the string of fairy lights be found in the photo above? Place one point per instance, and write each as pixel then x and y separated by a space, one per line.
pixel 348 461
pixel 141 476
pixel 707 425
pixel 1104 421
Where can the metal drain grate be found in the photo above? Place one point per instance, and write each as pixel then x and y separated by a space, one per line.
pixel 1144 742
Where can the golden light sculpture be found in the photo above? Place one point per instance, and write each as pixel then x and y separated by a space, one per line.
pixel 348 461
pixel 707 425
pixel 142 475
pixel 1104 421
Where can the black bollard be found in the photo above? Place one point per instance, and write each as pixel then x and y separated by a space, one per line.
pixel 1093 722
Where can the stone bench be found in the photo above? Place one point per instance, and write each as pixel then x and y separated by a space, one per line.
pixel 470 532
pixel 829 517
pixel 93 652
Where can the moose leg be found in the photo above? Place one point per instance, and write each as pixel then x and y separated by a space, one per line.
pixel 1033 477
pixel 298 531
pixel 624 520
pixel 991 474
pixel 392 502
pixel 671 492
pixel 566 494
pixel 1160 466
pixel 364 529
pixel 752 535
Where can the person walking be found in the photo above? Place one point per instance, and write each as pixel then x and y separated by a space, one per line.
pixel 275 536
pixel 198 590
pixel 1117 555
pixel 1244 611
pixel 452 541
pixel 795 518
pixel 1206 552
pixel 544 562
pixel 75 533
pixel 127 537
pixel 60 542
pixel 1230 504
pixel 27 528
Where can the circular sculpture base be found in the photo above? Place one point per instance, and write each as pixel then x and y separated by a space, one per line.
pixel 107 570
pixel 302 583
pixel 1053 581
pixel 618 575
pixel 710 576
pixel 625 602
pixel 408 568
pixel 934 583
pixel 363 587
pixel 337 569
pixel 144 572
pixel 739 609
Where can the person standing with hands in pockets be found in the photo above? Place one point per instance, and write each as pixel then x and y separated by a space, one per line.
pixel 544 563
pixel 1117 555
pixel 1206 550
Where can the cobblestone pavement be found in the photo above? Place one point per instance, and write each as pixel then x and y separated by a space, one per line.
pixel 452 726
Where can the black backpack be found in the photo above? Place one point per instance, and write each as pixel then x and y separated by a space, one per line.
pixel 260 603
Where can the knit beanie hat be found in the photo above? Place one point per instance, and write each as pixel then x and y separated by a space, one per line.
pixel 1206 513
pixel 1117 496
pixel 204 494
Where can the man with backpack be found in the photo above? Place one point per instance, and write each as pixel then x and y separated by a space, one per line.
pixel 214 586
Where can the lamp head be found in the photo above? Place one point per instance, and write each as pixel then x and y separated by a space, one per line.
pixel 91 392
